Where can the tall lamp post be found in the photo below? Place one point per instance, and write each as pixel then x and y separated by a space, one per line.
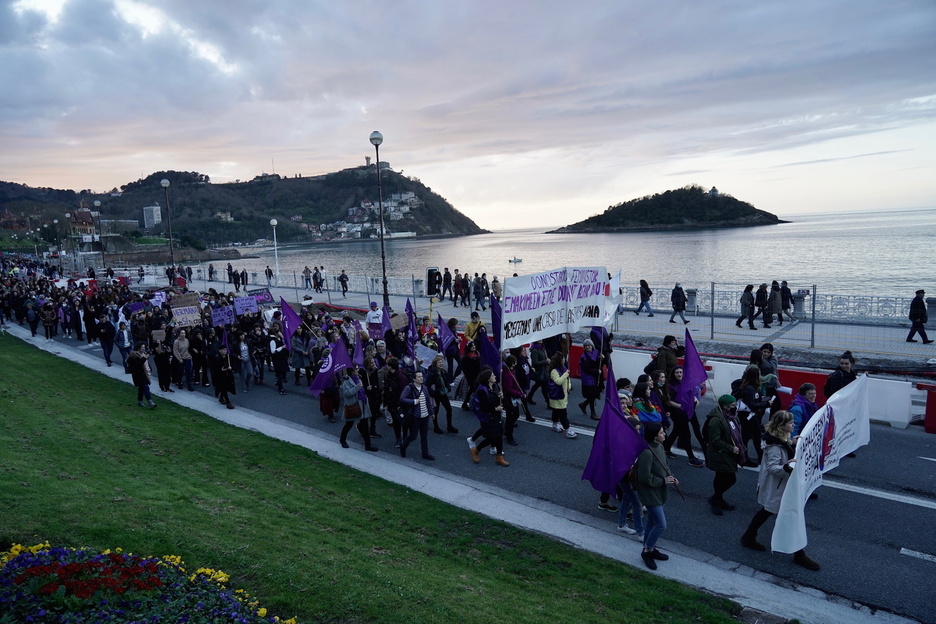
pixel 100 228
pixel 165 184
pixel 68 236
pixel 376 139
pixel 273 222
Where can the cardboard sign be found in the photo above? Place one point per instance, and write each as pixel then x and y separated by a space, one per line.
pixel 188 299
pixel 222 316
pixel 186 316
pixel 242 305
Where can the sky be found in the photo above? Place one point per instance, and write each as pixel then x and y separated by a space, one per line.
pixel 523 113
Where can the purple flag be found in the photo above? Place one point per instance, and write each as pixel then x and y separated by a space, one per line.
pixel 224 341
pixel 291 322
pixel 496 321
pixel 412 336
pixel 694 375
pixel 358 357
pixel 616 445
pixel 446 337
pixel 385 320
pixel 336 360
pixel 489 353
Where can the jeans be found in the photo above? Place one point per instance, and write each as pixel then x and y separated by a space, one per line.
pixel 681 313
pixel 108 347
pixel 630 501
pixel 644 304
pixel 420 427
pixel 656 525
pixel 124 352
pixel 246 373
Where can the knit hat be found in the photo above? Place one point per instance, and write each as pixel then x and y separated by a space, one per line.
pixel 726 399
pixel 651 429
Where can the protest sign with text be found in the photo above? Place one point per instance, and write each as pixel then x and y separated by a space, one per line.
pixel 242 305
pixel 553 302
pixel 185 316
pixel 222 316
pixel 840 427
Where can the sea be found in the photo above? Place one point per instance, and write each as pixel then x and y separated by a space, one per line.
pixel 889 253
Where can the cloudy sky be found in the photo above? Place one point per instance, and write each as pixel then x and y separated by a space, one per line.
pixel 521 113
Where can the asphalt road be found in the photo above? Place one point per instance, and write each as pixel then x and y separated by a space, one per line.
pixel 871 511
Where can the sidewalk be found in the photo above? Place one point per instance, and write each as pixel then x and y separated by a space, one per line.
pixel 739 583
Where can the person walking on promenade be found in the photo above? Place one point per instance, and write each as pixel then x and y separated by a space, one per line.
pixel 244 279
pixel 775 304
pixel 667 357
pixel 803 407
pixel 557 389
pixel 418 407
pixel 751 408
pixel 268 272
pixel 645 294
pixel 237 280
pixel 725 451
pixel 456 288
pixel 760 302
pixel 466 290
pixel 317 280
pixel 480 283
pixel 307 277
pixel 343 280
pixel 653 477
pixel 775 469
pixel 487 407
pixel 446 284
pixel 353 397
pixel 786 301
pixel 140 274
pixel 679 300
pixel 747 307
pixel 138 365
pixel 918 318
pixel 211 272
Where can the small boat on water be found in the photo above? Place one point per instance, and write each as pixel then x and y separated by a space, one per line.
pixel 515 260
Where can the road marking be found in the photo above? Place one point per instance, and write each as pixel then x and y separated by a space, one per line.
pixel 932 459
pixel 918 555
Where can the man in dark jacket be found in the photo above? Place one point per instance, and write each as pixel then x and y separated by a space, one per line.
pixel 106 333
pixel 918 318
pixel 679 300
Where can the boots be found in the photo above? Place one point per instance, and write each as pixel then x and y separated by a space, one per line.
pixel 800 559
pixel 152 403
pixel 500 461
pixel 448 424
pixel 749 540
pixel 435 425
pixel 474 454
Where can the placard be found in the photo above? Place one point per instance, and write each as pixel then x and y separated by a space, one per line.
pixel 243 305
pixel 186 316
pixel 222 316
pixel 262 295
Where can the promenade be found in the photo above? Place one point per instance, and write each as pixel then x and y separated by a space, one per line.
pixel 868 518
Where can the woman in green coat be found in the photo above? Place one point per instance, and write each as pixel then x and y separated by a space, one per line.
pixel 653 477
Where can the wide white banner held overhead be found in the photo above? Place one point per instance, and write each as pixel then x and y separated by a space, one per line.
pixel 553 302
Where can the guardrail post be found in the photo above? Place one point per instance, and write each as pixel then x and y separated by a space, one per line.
pixel 812 332
pixel 712 314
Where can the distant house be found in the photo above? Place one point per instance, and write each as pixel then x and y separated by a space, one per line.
pixel 713 192
pixel 224 217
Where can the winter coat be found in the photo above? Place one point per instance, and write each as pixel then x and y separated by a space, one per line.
pixel 350 392
pixel 539 362
pixel 720 455
pixel 802 410
pixel 747 303
pixel 652 470
pixel 409 399
pixel 139 369
pixel 774 302
pixel 918 310
pixel 774 472
pixel 645 294
pixel 760 299
pixel 589 368
pixel 299 357
pixel 678 299
pixel 666 360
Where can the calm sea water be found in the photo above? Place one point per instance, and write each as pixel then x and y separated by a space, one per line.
pixel 888 253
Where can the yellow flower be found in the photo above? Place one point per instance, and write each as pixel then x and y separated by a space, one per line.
pixel 262 612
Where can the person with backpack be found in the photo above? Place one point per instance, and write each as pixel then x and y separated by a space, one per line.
pixel 558 387
pixel 653 477
pixel 645 294
pixel 775 470
pixel 725 451
pixel 487 407
pixel 667 357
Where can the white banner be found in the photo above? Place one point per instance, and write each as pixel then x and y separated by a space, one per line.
pixel 840 427
pixel 554 302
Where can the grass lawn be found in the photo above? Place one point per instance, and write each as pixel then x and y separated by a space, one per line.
pixel 82 465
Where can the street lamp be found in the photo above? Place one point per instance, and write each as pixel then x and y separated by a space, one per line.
pixel 165 184
pixel 273 222
pixel 68 236
pixel 376 139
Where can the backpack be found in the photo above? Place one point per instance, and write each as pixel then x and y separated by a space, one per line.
pixel 649 368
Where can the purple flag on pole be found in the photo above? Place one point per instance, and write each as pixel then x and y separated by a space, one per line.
pixel 224 341
pixel 489 353
pixel 385 320
pixel 412 336
pixel 358 357
pixel 616 445
pixel 496 321
pixel 336 360
pixel 694 375
pixel 446 337
pixel 291 322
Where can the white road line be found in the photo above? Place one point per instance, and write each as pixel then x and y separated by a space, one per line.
pixel 932 459
pixel 918 555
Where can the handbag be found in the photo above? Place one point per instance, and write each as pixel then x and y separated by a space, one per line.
pixel 353 411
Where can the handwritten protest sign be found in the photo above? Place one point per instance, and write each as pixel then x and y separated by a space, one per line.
pixel 222 316
pixel 242 305
pixel 188 299
pixel 185 316
pixel 553 302
pixel 159 297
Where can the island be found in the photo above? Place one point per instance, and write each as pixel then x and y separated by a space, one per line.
pixel 688 208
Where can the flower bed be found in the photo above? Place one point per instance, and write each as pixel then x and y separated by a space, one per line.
pixel 42 584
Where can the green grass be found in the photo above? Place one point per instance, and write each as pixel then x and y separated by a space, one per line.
pixel 81 464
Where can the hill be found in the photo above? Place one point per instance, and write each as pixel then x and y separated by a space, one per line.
pixel 337 205
pixel 690 207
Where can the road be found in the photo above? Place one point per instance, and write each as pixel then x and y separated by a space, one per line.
pixel 872 527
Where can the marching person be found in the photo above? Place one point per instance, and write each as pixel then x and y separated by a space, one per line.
pixel 725 451
pixel 138 365
pixel 918 318
pixel 418 406
pixel 775 469
pixel 653 477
